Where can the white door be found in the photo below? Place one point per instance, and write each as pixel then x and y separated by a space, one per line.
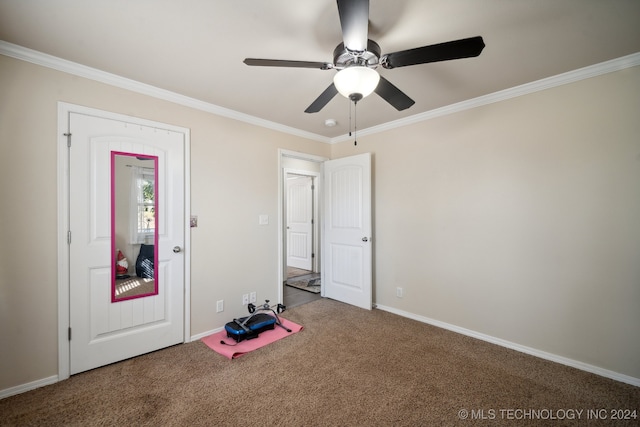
pixel 347 272
pixel 103 332
pixel 299 199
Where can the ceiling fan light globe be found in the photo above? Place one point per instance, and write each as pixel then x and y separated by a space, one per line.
pixel 356 80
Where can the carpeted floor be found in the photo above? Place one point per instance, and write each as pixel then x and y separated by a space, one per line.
pixel 348 367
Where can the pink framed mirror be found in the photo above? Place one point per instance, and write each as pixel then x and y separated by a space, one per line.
pixel 134 220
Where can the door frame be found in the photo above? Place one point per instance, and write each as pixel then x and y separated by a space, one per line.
pixel 64 110
pixel 282 232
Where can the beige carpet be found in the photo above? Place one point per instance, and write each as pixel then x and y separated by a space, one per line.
pixel 348 367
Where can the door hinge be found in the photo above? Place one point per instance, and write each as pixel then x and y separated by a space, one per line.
pixel 69 237
pixel 69 333
pixel 68 135
pixel 313 255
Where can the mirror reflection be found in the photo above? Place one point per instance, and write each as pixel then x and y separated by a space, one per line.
pixel 134 234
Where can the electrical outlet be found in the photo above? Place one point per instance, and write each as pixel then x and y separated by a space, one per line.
pixel 245 299
pixel 220 306
pixel 252 297
pixel 399 292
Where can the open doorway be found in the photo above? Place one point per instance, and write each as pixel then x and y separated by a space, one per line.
pixel 344 232
pixel 303 281
pixel 300 243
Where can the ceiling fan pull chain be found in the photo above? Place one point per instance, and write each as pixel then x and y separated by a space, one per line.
pixel 349 118
pixel 355 123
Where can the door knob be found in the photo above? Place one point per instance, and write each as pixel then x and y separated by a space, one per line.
pixel 364 239
pixel 176 249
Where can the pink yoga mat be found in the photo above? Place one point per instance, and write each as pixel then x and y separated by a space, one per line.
pixel 231 350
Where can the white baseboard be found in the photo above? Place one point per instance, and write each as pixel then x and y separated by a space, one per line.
pixel 521 348
pixel 28 387
pixel 206 334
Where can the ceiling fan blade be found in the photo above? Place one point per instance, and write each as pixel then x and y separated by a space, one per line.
pixel 354 19
pixel 457 49
pixel 285 63
pixel 394 96
pixel 322 100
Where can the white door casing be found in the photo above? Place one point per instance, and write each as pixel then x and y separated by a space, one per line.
pixel 103 332
pixel 347 246
pixel 299 201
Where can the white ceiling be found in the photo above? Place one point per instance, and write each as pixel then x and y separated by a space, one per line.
pixel 196 47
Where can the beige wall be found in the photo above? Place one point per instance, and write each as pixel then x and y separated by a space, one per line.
pixel 519 220
pixel 234 178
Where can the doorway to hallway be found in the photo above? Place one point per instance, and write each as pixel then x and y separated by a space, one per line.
pixel 302 284
pixel 300 242
pixel 346 233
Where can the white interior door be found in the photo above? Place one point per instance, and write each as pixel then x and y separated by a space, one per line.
pixel 103 332
pixel 299 221
pixel 347 271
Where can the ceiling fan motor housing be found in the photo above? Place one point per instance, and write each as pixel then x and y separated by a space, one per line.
pixel 343 57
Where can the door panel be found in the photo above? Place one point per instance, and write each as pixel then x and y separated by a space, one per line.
pixel 347 274
pixel 104 332
pixel 299 222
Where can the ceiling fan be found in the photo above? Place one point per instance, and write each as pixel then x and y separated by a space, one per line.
pixel 357 57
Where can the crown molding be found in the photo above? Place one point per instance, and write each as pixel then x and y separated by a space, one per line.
pixel 53 62
pixel 611 66
pixel 49 61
